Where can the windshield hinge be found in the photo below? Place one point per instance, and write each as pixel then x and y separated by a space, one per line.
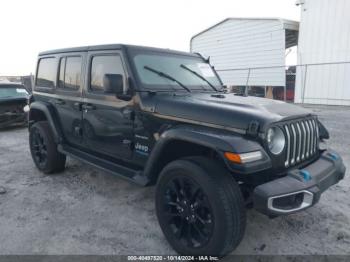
pixel 253 128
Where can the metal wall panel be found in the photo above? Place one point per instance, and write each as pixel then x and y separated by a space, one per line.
pixel 245 43
pixel 324 38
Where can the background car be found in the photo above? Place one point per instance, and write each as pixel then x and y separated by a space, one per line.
pixel 13 100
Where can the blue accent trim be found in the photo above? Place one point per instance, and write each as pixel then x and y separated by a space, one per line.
pixel 306 175
pixel 142 153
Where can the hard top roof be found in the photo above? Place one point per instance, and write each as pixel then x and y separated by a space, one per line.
pixel 112 47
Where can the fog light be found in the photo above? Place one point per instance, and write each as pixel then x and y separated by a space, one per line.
pixel 291 202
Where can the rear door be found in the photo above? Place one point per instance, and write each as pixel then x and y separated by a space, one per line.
pixel 68 98
pixel 107 120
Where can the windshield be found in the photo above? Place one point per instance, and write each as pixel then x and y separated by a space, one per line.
pixel 191 72
pixel 13 92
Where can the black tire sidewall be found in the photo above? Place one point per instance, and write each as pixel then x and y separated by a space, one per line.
pixel 54 158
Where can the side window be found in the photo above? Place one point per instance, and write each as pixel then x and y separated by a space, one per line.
pixel 47 72
pixel 70 73
pixel 102 65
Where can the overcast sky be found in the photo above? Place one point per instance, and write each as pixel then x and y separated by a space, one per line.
pixel 28 27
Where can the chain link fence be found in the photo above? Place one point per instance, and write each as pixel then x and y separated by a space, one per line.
pixel 303 83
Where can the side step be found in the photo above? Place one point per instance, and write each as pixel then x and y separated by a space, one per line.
pixel 129 174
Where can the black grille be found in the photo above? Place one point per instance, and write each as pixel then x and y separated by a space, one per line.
pixel 301 140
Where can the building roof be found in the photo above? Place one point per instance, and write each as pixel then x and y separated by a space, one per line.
pixel 291 27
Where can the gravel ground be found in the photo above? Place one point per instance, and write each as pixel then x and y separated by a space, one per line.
pixel 85 211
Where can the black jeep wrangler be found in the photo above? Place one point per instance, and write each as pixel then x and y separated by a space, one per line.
pixel 156 116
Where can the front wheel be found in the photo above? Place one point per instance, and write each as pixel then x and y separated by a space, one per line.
pixel 200 207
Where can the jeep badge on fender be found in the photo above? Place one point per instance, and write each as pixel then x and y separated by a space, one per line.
pixel 162 117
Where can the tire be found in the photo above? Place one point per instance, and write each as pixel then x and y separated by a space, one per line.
pixel 221 207
pixel 44 149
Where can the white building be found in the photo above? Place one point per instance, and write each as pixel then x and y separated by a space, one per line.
pixel 324 38
pixel 240 47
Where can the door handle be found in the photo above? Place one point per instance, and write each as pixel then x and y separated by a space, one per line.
pixel 77 106
pixel 59 102
pixel 128 114
pixel 88 107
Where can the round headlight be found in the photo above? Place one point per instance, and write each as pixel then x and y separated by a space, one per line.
pixel 275 140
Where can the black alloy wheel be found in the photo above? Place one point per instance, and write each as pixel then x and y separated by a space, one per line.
pixel 39 148
pixel 188 211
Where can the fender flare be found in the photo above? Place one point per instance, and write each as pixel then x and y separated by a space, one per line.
pixel 217 140
pixel 49 111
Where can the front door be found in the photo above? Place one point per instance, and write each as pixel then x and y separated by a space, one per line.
pixel 107 121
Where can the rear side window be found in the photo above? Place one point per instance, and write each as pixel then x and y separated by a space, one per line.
pixel 47 72
pixel 70 73
pixel 102 65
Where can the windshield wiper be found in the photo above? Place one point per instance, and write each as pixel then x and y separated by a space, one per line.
pixel 200 76
pixel 164 75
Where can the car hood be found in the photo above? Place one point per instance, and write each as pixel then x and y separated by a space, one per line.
pixel 12 99
pixel 228 110
pixel 13 103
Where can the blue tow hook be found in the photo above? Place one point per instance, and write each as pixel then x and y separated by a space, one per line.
pixel 306 175
pixel 334 156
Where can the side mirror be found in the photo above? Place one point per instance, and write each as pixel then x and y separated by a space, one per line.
pixel 113 84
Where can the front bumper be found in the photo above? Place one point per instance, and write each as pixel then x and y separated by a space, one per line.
pixel 9 119
pixel 301 188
